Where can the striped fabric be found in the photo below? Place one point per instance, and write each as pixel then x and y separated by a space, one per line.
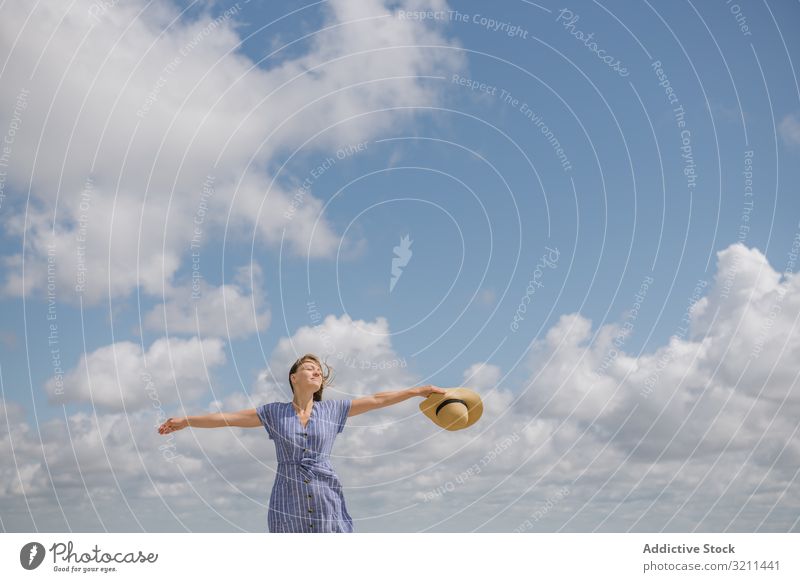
pixel 307 495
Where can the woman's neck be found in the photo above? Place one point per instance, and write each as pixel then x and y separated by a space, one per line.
pixel 303 402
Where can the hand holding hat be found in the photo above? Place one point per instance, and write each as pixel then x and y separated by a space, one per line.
pixel 453 408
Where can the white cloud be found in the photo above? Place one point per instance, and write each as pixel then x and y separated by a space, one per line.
pixel 113 470
pixel 150 109
pixel 702 419
pixel 121 377
pixel 205 310
pixel 482 376
pixel 696 391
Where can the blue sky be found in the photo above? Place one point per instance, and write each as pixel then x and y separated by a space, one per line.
pixel 265 98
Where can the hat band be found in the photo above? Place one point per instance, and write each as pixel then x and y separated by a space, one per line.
pixel 449 401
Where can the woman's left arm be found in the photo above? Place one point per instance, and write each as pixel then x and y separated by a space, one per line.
pixel 381 399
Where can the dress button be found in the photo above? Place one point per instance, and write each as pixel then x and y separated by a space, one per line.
pixel 309 495
pixel 305 480
pixel 310 510
pixel 304 450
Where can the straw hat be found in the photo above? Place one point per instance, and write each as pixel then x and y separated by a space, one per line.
pixel 456 409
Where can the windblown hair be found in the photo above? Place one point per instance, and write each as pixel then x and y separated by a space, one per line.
pixel 327 373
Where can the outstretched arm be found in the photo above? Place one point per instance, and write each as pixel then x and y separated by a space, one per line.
pixel 242 418
pixel 381 399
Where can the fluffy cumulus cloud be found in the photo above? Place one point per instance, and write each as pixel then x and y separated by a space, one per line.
pixel 121 376
pixel 704 428
pixel 133 122
pixel 482 376
pixel 117 473
pixel 232 310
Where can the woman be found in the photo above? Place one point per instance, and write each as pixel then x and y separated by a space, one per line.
pixel 307 494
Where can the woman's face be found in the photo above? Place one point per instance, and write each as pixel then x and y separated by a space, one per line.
pixel 308 376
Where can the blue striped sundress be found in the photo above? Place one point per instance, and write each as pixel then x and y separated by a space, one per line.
pixel 307 495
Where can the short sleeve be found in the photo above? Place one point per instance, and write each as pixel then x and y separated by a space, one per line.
pixel 342 409
pixel 264 415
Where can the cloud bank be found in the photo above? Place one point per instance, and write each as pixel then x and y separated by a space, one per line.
pixel 710 445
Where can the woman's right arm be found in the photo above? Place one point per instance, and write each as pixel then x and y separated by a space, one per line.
pixel 242 418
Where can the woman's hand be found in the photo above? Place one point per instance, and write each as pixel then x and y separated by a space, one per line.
pixel 426 391
pixel 173 424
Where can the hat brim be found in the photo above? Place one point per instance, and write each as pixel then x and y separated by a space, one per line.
pixel 469 398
